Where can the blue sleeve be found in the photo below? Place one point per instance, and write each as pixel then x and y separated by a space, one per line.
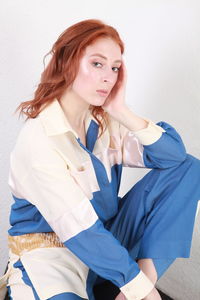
pixel 158 145
pixel 168 151
pixel 103 253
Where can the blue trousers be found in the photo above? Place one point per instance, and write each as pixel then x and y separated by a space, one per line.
pixel 156 216
pixel 155 219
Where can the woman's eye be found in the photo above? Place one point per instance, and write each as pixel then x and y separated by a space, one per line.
pixel 117 69
pixel 96 63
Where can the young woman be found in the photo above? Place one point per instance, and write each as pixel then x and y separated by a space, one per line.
pixel 69 228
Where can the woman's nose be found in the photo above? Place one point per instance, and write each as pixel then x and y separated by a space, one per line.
pixel 110 78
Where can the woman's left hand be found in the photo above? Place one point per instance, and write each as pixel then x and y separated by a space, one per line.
pixel 115 101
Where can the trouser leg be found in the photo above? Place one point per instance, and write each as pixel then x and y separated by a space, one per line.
pixel 156 216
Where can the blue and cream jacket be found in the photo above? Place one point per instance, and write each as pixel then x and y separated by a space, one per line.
pixel 59 185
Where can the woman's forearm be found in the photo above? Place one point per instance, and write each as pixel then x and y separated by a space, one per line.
pixel 130 120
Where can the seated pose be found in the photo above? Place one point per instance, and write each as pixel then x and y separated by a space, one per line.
pixel 69 228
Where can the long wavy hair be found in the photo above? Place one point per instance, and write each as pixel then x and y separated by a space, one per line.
pixel 63 67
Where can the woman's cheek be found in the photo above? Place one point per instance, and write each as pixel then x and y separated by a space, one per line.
pixel 94 74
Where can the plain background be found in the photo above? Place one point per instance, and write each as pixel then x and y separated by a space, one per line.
pixel 162 56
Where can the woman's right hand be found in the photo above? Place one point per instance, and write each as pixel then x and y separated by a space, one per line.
pixel 120 296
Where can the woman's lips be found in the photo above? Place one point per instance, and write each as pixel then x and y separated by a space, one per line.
pixel 102 93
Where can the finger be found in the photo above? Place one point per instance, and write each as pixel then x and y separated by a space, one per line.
pixel 124 70
pixel 122 75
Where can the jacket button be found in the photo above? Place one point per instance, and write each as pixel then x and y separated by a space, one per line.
pixel 81 168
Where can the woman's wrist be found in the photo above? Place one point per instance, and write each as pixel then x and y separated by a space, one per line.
pixel 153 295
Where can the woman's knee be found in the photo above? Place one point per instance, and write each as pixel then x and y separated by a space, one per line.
pixel 192 165
pixel 192 160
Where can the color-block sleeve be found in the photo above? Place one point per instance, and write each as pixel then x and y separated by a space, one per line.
pixel 158 145
pixel 49 186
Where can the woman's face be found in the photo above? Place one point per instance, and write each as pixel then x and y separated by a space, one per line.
pixel 98 70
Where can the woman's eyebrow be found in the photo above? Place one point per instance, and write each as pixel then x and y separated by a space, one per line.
pixel 100 55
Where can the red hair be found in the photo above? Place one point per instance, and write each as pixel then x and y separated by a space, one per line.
pixel 63 66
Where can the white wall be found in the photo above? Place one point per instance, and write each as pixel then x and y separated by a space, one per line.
pixel 162 40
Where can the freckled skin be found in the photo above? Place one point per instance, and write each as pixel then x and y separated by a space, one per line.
pixel 91 76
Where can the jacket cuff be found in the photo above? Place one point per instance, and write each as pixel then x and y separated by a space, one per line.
pixel 138 288
pixel 148 135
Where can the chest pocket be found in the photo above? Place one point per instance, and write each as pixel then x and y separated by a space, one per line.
pixel 85 177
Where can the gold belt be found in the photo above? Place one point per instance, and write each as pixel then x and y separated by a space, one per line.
pixel 20 244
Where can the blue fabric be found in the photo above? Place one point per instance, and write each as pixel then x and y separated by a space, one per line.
pixel 91 279
pixel 166 152
pixel 91 135
pixel 156 216
pixel 92 245
pixel 25 218
pixel 105 201
pixel 9 293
